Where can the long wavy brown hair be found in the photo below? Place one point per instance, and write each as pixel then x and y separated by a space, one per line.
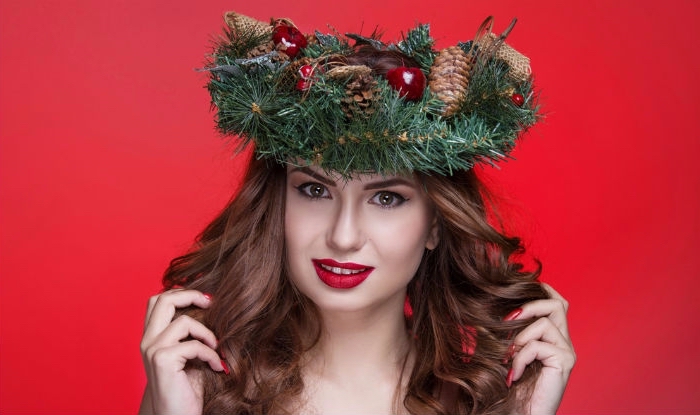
pixel 459 296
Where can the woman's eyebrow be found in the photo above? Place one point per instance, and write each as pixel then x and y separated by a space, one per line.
pixel 395 181
pixel 309 172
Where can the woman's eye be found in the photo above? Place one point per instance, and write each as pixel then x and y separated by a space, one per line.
pixel 313 190
pixel 387 199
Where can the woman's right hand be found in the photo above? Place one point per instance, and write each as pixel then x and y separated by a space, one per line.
pixel 171 389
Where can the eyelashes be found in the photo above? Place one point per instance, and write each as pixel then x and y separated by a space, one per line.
pixel 314 191
pixel 384 199
pixel 388 200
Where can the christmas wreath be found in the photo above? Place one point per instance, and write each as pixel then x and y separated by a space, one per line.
pixel 301 99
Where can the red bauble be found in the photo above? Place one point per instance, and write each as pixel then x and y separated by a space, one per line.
pixel 303 84
pixel 292 39
pixel 409 81
pixel 517 99
pixel 306 71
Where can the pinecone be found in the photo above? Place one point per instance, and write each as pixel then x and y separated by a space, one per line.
pixel 281 56
pixel 360 91
pixel 449 78
pixel 262 49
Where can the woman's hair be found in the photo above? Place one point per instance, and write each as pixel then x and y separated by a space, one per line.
pixel 459 296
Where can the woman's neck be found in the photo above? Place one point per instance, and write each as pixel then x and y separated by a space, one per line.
pixel 355 342
pixel 359 362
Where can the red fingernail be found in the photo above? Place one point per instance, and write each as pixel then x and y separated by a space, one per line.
pixel 510 353
pixel 225 366
pixel 207 296
pixel 513 314
pixel 509 377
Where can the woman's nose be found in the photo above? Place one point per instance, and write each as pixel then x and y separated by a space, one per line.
pixel 346 232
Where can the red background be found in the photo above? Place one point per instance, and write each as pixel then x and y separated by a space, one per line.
pixel 109 165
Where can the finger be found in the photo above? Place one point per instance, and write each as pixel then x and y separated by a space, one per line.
pixel 555 358
pixel 152 303
pixel 168 360
pixel 543 329
pixel 167 304
pixel 183 327
pixel 555 295
pixel 554 309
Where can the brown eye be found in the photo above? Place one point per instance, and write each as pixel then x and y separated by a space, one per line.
pixel 313 190
pixel 387 199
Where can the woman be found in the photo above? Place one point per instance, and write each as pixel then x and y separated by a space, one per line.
pixel 356 270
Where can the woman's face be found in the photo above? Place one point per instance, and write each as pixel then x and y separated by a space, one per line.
pixel 355 245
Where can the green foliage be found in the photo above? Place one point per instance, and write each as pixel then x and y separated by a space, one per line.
pixel 327 45
pixel 253 101
pixel 418 44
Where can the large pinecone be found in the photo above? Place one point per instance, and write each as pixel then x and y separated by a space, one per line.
pixel 449 78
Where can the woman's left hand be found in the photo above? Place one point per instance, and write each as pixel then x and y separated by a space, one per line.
pixel 546 340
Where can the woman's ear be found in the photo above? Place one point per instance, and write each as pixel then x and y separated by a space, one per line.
pixel 434 235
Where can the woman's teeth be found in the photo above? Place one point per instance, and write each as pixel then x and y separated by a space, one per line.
pixel 342 271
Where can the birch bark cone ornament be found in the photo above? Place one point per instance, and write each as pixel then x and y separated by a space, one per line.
pixel 242 25
pixel 518 63
pixel 245 25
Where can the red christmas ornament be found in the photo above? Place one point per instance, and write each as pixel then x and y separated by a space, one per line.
pixel 410 82
pixel 306 71
pixel 517 99
pixel 303 84
pixel 292 39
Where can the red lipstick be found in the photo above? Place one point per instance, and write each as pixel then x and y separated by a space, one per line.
pixel 343 275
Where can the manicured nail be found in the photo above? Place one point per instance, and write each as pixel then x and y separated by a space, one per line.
pixel 407 309
pixel 513 314
pixel 207 296
pixel 510 353
pixel 225 366
pixel 509 377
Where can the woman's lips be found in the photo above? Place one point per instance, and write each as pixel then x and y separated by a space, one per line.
pixel 341 275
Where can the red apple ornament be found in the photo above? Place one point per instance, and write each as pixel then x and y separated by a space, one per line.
pixel 292 39
pixel 409 81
